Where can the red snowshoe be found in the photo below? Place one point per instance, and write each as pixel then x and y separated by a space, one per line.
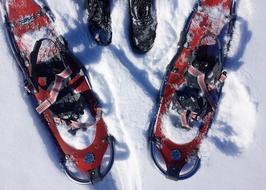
pixel 192 88
pixel 61 91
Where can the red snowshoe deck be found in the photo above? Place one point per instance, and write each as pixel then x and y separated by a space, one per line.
pixel 206 26
pixel 38 48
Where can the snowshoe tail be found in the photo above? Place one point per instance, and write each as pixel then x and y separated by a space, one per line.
pixel 95 175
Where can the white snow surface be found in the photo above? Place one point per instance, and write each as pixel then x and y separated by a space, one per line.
pixel 128 85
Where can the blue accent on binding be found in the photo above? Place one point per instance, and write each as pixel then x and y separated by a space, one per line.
pixel 89 158
pixel 176 155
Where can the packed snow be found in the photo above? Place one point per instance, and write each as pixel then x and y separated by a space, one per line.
pixel 128 86
pixel 173 130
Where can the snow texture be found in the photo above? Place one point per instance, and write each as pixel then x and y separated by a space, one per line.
pixel 128 85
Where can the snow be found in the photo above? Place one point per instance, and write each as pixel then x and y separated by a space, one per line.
pixel 173 130
pixel 127 84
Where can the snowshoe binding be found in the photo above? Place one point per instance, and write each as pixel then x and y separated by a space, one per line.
pixel 192 88
pixel 59 86
pixel 100 21
pixel 143 24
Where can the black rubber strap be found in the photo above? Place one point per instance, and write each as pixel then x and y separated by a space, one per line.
pixel 34 54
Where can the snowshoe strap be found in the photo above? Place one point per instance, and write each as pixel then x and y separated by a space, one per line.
pixel 187 118
pixel 34 54
pixel 79 125
pixel 184 122
pixel 55 90
pixel 201 81
pixel 65 73
pixel 200 78
pixel 72 126
pixel 53 95
pixel 71 123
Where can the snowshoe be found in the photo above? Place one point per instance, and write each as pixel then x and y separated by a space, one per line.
pixel 100 21
pixel 192 88
pixel 61 90
pixel 143 24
